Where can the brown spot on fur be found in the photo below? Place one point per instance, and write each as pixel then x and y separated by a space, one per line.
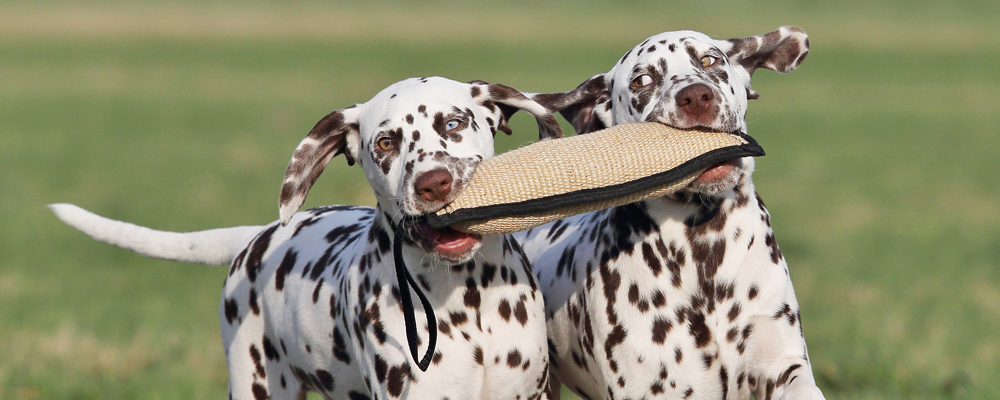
pixel 661 326
pixel 231 310
pixel 259 392
pixel 772 244
pixel 325 379
pixel 616 337
pixel 521 313
pixel 396 377
pixel 255 356
pixel 477 354
pixel 504 310
pixel 472 297
pixel 651 260
pixel 256 255
pixel 514 358
pixel 458 318
pixel 699 330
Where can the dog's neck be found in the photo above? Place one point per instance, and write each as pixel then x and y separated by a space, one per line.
pixel 695 209
pixel 734 216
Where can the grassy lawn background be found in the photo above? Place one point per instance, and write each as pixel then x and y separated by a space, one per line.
pixel 881 171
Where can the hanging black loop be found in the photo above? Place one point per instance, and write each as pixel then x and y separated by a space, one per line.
pixel 405 280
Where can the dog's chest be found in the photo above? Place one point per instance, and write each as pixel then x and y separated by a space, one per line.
pixel 489 316
pixel 662 299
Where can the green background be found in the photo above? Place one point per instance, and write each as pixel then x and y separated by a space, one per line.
pixel 881 173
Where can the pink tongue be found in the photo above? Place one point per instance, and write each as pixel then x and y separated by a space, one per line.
pixel 450 240
pixel 451 236
pixel 454 244
pixel 716 172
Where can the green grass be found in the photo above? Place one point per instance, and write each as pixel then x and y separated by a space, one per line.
pixel 880 175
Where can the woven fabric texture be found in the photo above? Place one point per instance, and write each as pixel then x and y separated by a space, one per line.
pixel 605 158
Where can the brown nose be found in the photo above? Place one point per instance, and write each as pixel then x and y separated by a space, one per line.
pixel 697 102
pixel 434 185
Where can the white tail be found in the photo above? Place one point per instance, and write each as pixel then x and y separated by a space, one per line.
pixel 212 247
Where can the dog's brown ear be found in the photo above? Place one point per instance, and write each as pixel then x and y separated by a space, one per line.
pixel 587 107
pixel 782 50
pixel 337 133
pixel 510 101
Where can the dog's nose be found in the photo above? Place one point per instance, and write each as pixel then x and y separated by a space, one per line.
pixel 434 185
pixel 696 101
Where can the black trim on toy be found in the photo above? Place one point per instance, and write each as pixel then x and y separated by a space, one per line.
pixel 605 193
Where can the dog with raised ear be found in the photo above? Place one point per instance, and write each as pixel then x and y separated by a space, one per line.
pixel 686 296
pixel 312 302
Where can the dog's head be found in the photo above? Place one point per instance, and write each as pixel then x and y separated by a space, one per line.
pixel 418 141
pixel 683 79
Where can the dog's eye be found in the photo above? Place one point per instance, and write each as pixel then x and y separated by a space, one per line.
pixel 708 61
pixel 385 143
pixel 642 81
pixel 452 125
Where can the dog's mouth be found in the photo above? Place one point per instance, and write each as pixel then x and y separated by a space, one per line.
pixel 719 173
pixel 717 178
pixel 448 243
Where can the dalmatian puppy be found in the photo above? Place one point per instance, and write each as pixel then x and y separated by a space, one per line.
pixel 312 302
pixel 686 296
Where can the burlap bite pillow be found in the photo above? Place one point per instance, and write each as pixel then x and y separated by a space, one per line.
pixel 554 179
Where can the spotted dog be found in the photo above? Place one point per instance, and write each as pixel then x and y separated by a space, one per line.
pixel 687 296
pixel 314 305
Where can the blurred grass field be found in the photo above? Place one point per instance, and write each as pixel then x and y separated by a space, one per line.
pixel 881 173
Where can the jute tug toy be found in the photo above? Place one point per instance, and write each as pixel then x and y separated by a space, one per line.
pixel 558 178
pixel 555 179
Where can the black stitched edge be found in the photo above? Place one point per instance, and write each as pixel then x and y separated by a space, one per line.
pixel 605 193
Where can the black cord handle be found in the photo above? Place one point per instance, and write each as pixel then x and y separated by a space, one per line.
pixel 405 280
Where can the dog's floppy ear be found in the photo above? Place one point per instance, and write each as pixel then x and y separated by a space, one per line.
pixel 337 133
pixel 510 100
pixel 587 107
pixel 782 50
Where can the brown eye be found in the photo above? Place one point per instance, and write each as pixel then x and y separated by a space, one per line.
pixel 642 81
pixel 708 61
pixel 385 144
